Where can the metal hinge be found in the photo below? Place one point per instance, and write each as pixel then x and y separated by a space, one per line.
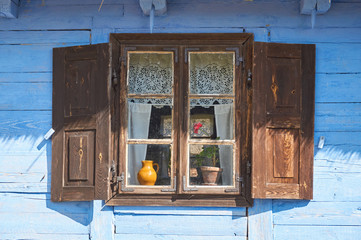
pixel 249 167
pixel 249 78
pixel 121 179
pixel 175 50
pixel 185 188
pixel 171 189
pixel 239 59
pixel 236 189
pixel 186 53
pixel 124 57
pixel 114 78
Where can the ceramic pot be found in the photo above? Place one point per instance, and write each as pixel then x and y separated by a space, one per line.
pixel 147 175
pixel 211 175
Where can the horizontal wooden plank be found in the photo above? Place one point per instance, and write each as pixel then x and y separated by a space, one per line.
pixel 341 187
pixel 35 16
pixel 180 211
pixel 338 117
pixel 45 236
pixel 31 124
pixel 349 154
pixel 317 213
pixel 323 35
pixel 23 146
pixel 39 203
pixel 34 58
pixel 260 33
pixel 286 232
pixel 338 87
pixel 39 187
pixel 339 139
pixel 337 166
pixel 20 177
pixel 66 2
pixel 174 237
pixel 247 14
pixel 43 223
pixel 190 225
pixel 36 37
pixel 34 96
pixel 338 58
pixel 26 77
pixel 341 151
pixel 25 163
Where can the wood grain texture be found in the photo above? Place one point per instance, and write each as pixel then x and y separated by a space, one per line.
pixel 25 200
pixel 317 213
pixel 45 236
pixel 81 110
pixel 175 237
pixel 181 225
pixel 283 232
pixel 283 120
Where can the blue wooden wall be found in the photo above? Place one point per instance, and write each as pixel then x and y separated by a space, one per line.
pixel 26 43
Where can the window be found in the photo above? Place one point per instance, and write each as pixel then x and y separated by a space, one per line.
pixel 221 119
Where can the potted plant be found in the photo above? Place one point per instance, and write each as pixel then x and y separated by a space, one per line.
pixel 208 156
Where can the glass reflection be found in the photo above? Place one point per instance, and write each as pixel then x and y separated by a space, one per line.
pixel 159 154
pixel 211 165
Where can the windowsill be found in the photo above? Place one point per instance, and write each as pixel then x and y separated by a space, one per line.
pixel 180 200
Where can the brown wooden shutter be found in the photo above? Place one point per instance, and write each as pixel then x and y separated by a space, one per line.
pixel 283 120
pixel 81 118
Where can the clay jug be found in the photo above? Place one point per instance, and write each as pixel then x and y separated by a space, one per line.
pixel 147 175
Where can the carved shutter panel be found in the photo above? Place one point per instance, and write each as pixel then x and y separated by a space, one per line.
pixel 81 118
pixel 283 120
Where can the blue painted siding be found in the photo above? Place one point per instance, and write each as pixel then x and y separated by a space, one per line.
pixel 26 44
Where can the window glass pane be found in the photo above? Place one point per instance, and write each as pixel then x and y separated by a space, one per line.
pixel 211 165
pixel 211 73
pixel 159 154
pixel 209 119
pixel 149 118
pixel 150 72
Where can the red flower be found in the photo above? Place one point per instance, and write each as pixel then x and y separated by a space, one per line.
pixel 196 127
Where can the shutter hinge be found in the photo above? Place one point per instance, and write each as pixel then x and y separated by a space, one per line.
pixel 186 53
pixel 115 79
pixel 249 79
pixel 121 179
pixel 185 188
pixel 175 50
pixel 239 59
pixel 171 189
pixel 238 181
pixel 249 165
pixel 124 57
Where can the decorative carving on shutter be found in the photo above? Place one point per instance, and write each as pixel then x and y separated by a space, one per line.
pixel 283 120
pixel 81 119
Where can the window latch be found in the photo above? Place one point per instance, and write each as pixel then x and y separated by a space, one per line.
pixel 121 179
pixel 171 189
pixel 185 188
pixel 236 189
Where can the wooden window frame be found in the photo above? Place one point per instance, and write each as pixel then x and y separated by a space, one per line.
pixel 242 46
